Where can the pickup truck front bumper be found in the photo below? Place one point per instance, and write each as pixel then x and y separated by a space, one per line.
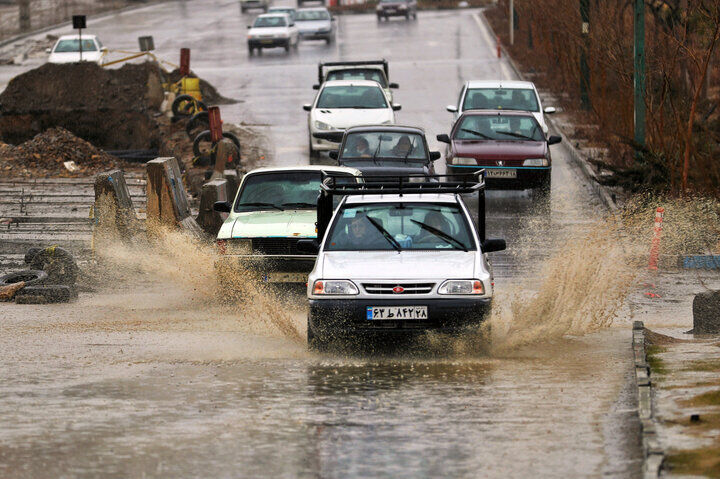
pixel 266 268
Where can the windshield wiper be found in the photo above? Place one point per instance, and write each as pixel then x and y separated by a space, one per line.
pixel 377 150
pixel 517 135
pixel 473 132
pixel 385 234
pixel 412 147
pixel 441 235
pixel 257 203
pixel 299 204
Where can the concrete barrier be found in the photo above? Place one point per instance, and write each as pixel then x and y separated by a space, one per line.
pixel 113 211
pixel 209 219
pixel 706 313
pixel 233 178
pixel 226 153
pixel 167 202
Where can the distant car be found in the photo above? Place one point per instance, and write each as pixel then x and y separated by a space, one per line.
pixel 67 49
pixel 387 150
pixel 509 145
pixel 316 24
pixel 376 70
pixel 274 208
pixel 396 8
pixel 272 30
pixel 341 104
pixel 283 9
pixel 246 5
pixel 501 95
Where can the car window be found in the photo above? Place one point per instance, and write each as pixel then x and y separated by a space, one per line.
pixel 413 226
pixel 377 144
pixel 267 22
pixel 352 96
pixel 501 99
pixel 282 190
pixel 310 15
pixel 498 127
pixel 66 46
pixel 358 74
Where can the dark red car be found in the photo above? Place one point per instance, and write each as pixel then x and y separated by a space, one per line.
pixel 510 145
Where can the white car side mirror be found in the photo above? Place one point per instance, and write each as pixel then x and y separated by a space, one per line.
pixel 451 108
pixel 549 110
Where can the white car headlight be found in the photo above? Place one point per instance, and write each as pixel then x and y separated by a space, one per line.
pixel 461 286
pixel 322 125
pixel 334 286
pixel 536 162
pixel 460 160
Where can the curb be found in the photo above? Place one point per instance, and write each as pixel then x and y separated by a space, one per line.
pixel 653 453
pixel 606 197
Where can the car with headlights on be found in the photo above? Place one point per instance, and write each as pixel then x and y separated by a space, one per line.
pixel 316 24
pixel 273 209
pixel 73 49
pixel 341 104
pixel 399 258
pixel 509 145
pixel 376 70
pixel 396 8
pixel 501 95
pixel 272 30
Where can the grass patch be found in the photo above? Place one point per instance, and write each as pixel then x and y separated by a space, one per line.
pixel 705 462
pixel 710 398
pixel 657 365
pixel 707 422
pixel 707 365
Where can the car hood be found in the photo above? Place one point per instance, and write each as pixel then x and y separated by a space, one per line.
pixel 268 31
pixel 342 118
pixel 391 265
pixel 313 25
pixel 503 150
pixel 282 224
pixel 73 57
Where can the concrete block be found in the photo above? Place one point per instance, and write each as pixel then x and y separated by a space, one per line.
pixel 113 209
pixel 233 178
pixel 167 201
pixel 209 219
pixel 706 313
pixel 226 153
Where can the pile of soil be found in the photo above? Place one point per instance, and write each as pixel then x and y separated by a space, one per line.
pixel 45 154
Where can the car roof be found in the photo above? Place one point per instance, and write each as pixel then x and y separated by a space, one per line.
pixel 406 198
pixel 393 128
pixel 328 168
pixel 351 83
pixel 500 84
pixel 76 36
pixel 491 112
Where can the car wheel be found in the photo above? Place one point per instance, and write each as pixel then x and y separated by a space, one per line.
pixel 379 17
pixel 250 50
pixel 414 15
pixel 313 153
pixel 315 342
pixel 407 16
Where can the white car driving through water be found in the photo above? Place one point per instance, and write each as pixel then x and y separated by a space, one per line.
pixel 341 104
pixel 272 30
pixel 398 258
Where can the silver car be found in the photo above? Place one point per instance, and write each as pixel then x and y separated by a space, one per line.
pixel 315 24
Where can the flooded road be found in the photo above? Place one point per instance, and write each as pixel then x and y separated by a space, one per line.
pixel 150 377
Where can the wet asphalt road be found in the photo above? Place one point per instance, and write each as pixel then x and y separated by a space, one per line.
pixel 146 382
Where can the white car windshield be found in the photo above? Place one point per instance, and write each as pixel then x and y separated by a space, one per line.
pixel 281 191
pixel 68 46
pixel 499 127
pixel 378 144
pixel 269 22
pixel 400 226
pixel 522 99
pixel 352 97
pixel 312 15
pixel 358 74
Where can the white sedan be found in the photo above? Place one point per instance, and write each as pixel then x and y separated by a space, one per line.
pixel 68 50
pixel 341 104
pixel 272 30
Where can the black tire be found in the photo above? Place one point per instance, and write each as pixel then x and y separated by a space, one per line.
pixel 313 153
pixel 287 46
pixel 29 276
pixel 314 342
pixel 186 105
pixel 379 17
pixel 198 120
pixel 49 293
pixel 407 15
pixel 59 265
pixel 204 136
pixel 242 10
pixel 31 254
pixel 250 50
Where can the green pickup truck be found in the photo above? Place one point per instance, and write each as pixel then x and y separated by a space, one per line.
pixel 274 208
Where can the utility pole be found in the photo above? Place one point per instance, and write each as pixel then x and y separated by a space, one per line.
pixel 639 76
pixel 24 15
pixel 511 15
pixel 584 69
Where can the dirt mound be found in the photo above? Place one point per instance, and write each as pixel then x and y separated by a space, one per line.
pixel 45 154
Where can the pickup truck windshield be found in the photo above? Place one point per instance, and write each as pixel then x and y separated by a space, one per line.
pixel 358 74
pixel 400 226
pixel 352 96
pixel 269 22
pixel 384 145
pixel 499 128
pixel 522 99
pixel 67 46
pixel 279 191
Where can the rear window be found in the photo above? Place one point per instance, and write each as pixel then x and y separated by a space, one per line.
pixel 352 96
pixel 310 15
pixel 358 74
pixel 266 22
pixel 501 99
pixel 67 46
